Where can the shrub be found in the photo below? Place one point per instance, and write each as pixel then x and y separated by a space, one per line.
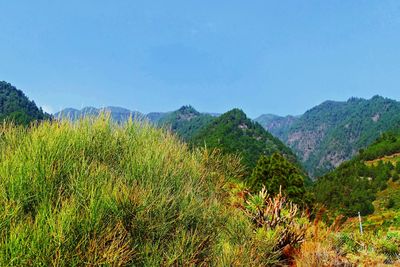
pixel 278 216
pixel 97 193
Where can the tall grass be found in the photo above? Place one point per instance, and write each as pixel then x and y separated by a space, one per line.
pixel 97 193
pixel 100 194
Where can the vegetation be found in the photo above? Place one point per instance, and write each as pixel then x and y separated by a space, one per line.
pixel 328 134
pixel 16 107
pixel 333 245
pixel 353 186
pixel 99 192
pixel 117 114
pixel 185 122
pixel 278 175
pixel 92 192
pixel 233 132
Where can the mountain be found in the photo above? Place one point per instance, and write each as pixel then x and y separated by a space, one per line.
pixel 185 122
pixel 155 117
pixel 16 107
pixel 233 132
pixel 118 114
pixel 355 185
pixel 332 132
pixel 276 125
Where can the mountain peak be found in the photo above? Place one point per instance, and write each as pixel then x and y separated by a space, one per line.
pixel 188 109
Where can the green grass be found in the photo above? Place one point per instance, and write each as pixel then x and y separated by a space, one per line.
pixel 96 193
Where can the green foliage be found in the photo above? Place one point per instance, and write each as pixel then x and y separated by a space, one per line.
pixel 387 144
pixel 97 193
pixel 16 107
pixel 276 220
pixel 353 186
pixel 333 132
pixel 233 132
pixel 277 174
pixel 185 122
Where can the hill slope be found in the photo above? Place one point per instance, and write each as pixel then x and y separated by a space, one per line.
pixel 15 106
pixel 185 122
pixel 355 184
pixel 233 132
pixel 333 132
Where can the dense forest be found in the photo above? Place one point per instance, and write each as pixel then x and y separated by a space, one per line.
pixel 16 107
pixel 353 186
pixel 233 132
pixel 333 132
pixel 185 122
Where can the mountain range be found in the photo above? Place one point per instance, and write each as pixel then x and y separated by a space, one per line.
pixel 332 132
pixel 322 138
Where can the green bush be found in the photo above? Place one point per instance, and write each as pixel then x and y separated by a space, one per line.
pixel 95 193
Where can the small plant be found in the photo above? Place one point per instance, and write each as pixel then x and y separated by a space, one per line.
pixel 279 215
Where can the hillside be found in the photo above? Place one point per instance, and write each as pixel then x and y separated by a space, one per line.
pixel 358 184
pixel 333 132
pixel 16 107
pixel 185 122
pixel 233 132
pixel 102 193
pixel 276 125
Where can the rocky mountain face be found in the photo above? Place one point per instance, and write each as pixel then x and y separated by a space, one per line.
pixel 276 125
pixel 333 132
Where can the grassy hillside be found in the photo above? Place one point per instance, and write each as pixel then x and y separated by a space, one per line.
pixel 97 193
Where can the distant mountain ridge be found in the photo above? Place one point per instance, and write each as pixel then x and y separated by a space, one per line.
pixel 332 132
pixel 121 114
pixel 118 114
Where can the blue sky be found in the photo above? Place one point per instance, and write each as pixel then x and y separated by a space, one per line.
pixel 279 57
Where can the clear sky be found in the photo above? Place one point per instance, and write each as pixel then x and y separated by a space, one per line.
pixel 279 57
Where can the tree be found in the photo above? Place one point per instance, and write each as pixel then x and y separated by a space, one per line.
pixel 277 173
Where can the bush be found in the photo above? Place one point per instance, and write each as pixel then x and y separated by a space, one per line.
pixel 277 216
pixel 95 193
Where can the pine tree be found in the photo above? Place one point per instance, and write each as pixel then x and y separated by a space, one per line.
pixel 276 173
